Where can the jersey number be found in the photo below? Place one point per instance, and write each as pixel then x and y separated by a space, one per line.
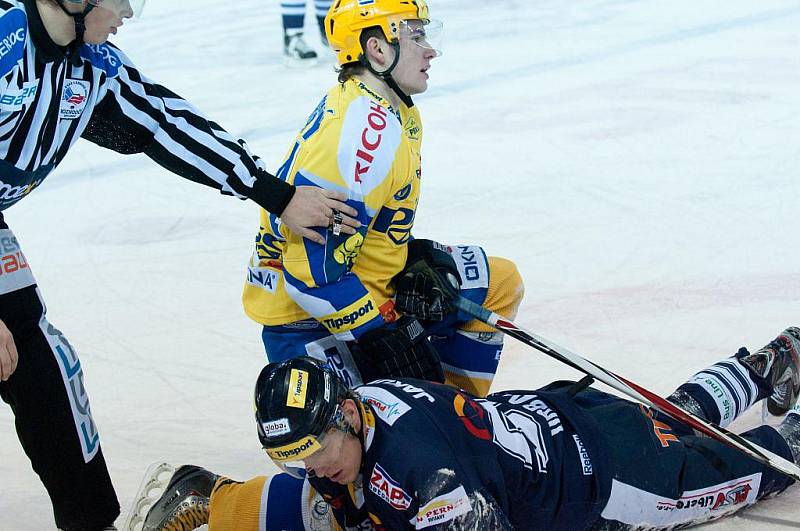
pixel 518 434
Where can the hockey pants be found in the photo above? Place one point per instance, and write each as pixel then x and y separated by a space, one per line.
pixel 688 479
pixel 51 408
pixel 470 350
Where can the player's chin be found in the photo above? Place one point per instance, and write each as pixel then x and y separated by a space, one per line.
pixel 98 38
pixel 420 86
pixel 345 477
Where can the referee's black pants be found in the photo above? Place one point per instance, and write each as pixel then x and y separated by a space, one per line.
pixel 51 408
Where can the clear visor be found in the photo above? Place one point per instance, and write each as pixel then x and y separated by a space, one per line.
pixel 121 8
pixel 426 35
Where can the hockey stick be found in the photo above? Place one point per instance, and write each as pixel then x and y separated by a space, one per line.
pixel 634 391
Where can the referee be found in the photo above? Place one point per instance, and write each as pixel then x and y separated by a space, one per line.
pixel 59 81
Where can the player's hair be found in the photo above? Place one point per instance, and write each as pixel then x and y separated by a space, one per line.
pixel 354 68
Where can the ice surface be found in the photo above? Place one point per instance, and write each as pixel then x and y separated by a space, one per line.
pixel 638 160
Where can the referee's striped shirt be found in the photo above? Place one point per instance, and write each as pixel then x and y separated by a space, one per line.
pixel 50 97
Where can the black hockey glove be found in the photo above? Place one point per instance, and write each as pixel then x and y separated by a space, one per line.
pixel 429 283
pixel 398 350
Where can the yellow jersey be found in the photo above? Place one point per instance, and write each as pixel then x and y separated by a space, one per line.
pixel 356 143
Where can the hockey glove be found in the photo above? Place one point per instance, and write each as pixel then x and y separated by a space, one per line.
pixel 398 350
pixel 428 284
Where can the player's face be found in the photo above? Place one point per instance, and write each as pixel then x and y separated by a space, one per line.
pixel 105 19
pixel 416 53
pixel 339 459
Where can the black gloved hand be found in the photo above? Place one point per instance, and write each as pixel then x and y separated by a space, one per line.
pixel 429 283
pixel 400 349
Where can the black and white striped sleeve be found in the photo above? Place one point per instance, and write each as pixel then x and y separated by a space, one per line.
pixel 136 115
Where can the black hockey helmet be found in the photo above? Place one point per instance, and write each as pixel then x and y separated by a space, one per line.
pixel 297 403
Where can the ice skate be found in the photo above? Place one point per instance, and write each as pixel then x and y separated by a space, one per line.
pixel 184 502
pixel 779 363
pixel 297 51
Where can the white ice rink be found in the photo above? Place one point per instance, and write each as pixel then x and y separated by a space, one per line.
pixel 637 159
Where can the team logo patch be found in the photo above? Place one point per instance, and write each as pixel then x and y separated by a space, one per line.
pixel 412 129
pixel 347 252
pixel 443 509
pixel 717 498
pixel 298 385
pixel 388 407
pixel 374 134
pixel 351 318
pixel 472 266
pixel 104 57
pixel 13 32
pixel 15 273
pixel 387 489
pixel 263 277
pixel 693 506
pixel 14 99
pixel 276 428
pixel 74 98
pixel 295 451
pixel 403 193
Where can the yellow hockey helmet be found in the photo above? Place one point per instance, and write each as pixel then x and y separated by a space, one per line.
pixel 347 18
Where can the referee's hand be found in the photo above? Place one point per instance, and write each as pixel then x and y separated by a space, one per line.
pixel 8 353
pixel 313 207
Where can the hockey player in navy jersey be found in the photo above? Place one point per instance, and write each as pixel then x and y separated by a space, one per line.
pixel 408 454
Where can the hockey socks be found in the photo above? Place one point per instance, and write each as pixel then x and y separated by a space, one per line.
pixel 274 502
pixel 723 391
pixel 790 431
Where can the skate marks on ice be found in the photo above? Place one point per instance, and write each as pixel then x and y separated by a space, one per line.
pixel 698 31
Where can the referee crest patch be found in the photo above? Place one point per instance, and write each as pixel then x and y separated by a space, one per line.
pixel 74 98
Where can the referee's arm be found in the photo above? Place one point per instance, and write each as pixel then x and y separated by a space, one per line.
pixel 138 116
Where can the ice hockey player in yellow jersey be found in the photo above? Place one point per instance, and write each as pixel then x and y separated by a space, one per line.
pixel 355 300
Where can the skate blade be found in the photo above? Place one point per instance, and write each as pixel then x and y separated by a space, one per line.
pixel 153 483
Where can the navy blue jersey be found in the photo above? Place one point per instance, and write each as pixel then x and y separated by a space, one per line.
pixel 438 458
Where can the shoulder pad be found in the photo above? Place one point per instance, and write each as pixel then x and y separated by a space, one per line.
pixel 13 33
pixel 103 56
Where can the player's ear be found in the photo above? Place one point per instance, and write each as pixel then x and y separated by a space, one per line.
pixel 374 48
pixel 350 411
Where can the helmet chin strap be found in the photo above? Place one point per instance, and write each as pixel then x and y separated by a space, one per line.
pixel 360 435
pixel 386 75
pixel 80 27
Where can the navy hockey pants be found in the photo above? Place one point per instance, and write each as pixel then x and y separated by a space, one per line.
pixel 52 416
pixel 664 475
